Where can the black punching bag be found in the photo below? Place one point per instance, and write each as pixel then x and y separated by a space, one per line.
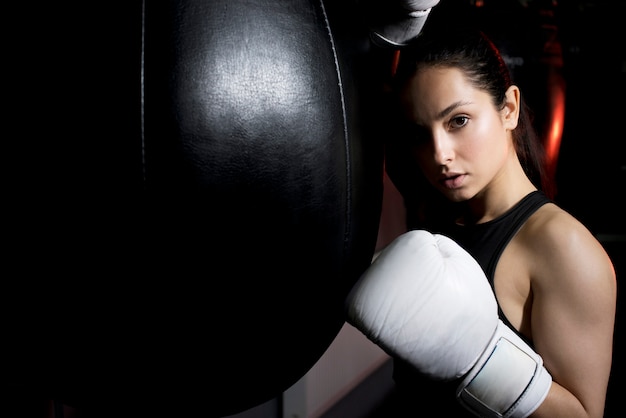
pixel 208 199
pixel 255 158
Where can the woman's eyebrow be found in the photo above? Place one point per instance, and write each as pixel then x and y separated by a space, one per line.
pixel 445 112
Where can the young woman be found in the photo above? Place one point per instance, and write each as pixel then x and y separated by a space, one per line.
pixel 464 125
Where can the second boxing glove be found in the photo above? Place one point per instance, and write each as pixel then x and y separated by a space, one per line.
pixel 395 23
pixel 427 301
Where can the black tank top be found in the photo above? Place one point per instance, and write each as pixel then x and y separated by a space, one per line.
pixel 486 241
pixel 416 394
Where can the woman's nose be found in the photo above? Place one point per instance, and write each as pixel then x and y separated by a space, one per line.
pixel 442 149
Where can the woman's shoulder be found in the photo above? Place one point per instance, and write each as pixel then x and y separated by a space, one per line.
pixel 557 240
pixel 551 222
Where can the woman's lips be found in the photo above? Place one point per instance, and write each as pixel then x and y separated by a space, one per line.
pixel 452 181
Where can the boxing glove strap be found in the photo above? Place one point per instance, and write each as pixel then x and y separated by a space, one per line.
pixel 508 380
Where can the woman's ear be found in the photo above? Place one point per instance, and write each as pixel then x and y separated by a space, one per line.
pixel 510 112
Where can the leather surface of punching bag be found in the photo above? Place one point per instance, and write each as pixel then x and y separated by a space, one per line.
pixel 200 193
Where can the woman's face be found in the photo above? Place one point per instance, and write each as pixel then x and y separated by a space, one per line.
pixel 460 140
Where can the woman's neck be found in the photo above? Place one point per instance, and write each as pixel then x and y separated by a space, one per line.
pixel 498 197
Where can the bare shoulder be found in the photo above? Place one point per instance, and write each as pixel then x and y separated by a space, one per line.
pixel 552 225
pixel 559 242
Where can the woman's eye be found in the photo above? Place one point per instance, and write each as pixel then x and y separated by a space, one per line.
pixel 458 121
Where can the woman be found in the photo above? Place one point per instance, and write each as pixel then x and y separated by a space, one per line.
pixel 464 124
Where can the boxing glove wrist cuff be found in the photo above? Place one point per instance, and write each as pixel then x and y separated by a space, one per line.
pixel 508 380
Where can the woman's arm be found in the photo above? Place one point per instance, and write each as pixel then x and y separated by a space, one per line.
pixel 573 314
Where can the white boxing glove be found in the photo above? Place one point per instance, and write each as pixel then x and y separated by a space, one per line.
pixel 395 23
pixel 427 301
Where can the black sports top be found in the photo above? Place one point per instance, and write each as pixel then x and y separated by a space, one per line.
pixel 485 242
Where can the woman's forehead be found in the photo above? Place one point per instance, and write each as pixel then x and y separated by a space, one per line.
pixel 431 91
pixel 435 83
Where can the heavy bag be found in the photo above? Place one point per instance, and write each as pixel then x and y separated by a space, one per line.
pixel 201 200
